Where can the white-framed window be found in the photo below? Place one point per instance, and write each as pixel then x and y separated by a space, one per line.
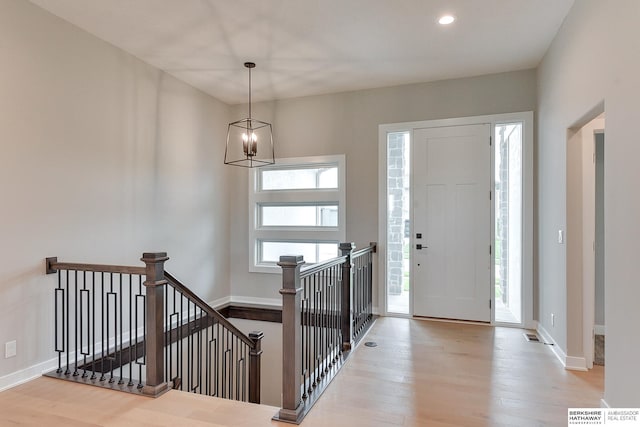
pixel 296 207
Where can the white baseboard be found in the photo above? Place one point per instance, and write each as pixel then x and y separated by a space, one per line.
pixel 599 329
pixel 576 363
pixel 220 302
pixel 569 362
pixel 560 354
pixel 604 404
pixel 24 375
pixel 272 302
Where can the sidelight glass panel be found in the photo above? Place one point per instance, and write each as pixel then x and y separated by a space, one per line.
pixel 398 224
pixel 508 222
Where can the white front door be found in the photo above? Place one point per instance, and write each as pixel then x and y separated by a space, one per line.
pixel 451 233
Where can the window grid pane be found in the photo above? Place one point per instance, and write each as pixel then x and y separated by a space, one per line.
pixel 309 215
pixel 312 252
pixel 312 178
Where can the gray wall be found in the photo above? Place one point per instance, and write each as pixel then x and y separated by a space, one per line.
pixel 271 360
pixel 103 157
pixel 594 59
pixel 347 123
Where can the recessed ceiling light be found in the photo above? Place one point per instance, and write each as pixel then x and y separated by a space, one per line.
pixel 446 20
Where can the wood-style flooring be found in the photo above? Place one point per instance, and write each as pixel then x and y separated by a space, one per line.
pixel 422 373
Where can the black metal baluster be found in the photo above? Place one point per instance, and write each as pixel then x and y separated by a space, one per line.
pixel 303 340
pixel 207 360
pixel 323 324
pixel 121 381
pixel 218 346
pixel 141 302
pixel 75 322
pixel 312 342
pixel 135 327
pixel 230 365
pixel 174 344
pixel 329 319
pixel 66 372
pixel 337 313
pixel 370 285
pixel 103 326
pixel 316 303
pixel 224 365
pixel 131 331
pixel 229 379
pixel 59 321
pixel 200 326
pixel 112 294
pixel 237 376
pixel 93 324
pixel 179 355
pixel 333 312
pixel 167 335
pixel 189 349
pixel 84 319
pixel 308 321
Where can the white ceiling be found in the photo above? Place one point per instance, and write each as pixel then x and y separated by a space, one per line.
pixel 307 47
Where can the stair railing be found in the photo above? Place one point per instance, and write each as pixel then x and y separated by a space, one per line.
pixel 139 330
pixel 326 309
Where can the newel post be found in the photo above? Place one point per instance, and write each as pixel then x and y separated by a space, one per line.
pixel 154 341
pixel 346 320
pixel 254 366
pixel 291 338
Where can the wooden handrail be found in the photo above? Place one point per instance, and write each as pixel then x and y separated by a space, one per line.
pixel 311 269
pixel 373 247
pixel 53 265
pixel 211 312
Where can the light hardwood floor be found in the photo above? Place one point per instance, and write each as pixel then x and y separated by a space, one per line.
pixel 422 373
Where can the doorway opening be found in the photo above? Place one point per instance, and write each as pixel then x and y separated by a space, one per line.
pixel 408 245
pixel 585 240
pixel 599 328
pixel 508 222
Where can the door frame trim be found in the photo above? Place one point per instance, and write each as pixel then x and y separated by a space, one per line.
pixel 528 218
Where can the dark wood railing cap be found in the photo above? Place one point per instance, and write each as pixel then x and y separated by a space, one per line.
pixel 290 261
pixel 154 257
pixel 291 291
pixel 256 335
pixel 348 246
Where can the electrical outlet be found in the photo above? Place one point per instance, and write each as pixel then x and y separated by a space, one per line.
pixel 553 319
pixel 10 349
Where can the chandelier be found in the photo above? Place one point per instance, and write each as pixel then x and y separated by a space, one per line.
pixel 249 141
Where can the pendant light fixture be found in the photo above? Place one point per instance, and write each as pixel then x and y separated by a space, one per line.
pixel 249 141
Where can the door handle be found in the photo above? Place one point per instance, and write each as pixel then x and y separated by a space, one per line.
pixel 420 247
